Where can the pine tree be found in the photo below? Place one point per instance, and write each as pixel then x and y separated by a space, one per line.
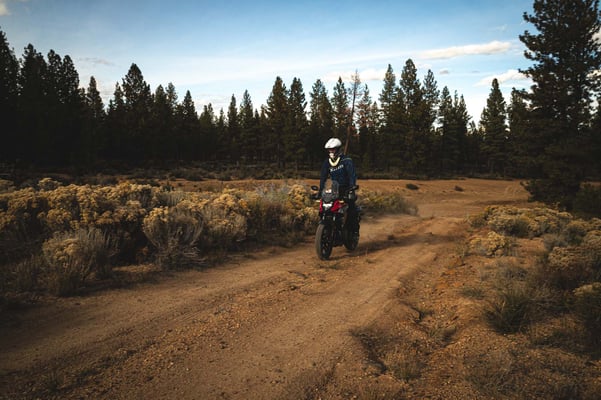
pixel 340 106
pixel 162 142
pixel 493 121
pixel 415 133
pixel 9 92
pixel 566 57
pixel 391 119
pixel 138 103
pixel 277 116
pixel 355 92
pixel 94 119
pixel 297 124
pixel 32 111
pixel 207 134
pixel 249 134
pixel 321 122
pixel 115 127
pixel 230 144
pixel 453 119
pixel 520 155
pixel 189 129
pixel 367 121
pixel 596 138
pixel 431 104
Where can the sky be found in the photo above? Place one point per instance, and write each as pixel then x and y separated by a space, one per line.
pixel 218 49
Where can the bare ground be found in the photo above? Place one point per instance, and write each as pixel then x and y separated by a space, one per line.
pixel 386 321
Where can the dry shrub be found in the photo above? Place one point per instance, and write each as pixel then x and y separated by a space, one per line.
pixel 27 273
pixel 169 198
pixel 404 362
pixel 493 373
pixel 125 191
pixel 493 245
pixel 20 229
pixel 512 309
pixel 276 212
pixel 394 202
pixel 21 276
pixel 6 186
pixel 175 231
pixel 223 227
pixel 525 222
pixel 73 256
pixel 568 267
pixel 587 306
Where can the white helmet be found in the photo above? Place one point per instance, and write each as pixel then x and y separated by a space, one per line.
pixel 333 143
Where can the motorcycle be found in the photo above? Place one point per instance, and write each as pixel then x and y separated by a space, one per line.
pixel 337 224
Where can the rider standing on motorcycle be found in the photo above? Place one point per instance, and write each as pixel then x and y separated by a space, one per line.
pixel 339 168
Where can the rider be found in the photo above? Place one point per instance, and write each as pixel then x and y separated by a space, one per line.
pixel 339 168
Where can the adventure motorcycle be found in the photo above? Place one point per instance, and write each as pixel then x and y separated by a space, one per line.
pixel 338 225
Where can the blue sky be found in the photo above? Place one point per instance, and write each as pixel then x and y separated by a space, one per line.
pixel 222 48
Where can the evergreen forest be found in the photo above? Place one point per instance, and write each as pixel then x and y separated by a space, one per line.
pixel 549 135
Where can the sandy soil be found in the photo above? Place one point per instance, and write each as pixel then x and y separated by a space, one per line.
pixel 272 324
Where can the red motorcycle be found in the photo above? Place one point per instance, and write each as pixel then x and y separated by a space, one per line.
pixel 338 225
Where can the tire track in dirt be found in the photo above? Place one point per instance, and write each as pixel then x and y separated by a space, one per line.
pixel 266 325
pixel 264 339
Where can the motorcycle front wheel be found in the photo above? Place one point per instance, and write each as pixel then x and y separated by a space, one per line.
pixel 323 241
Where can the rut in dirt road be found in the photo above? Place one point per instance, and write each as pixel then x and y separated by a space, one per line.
pixel 264 327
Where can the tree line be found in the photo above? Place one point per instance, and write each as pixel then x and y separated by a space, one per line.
pixel 549 134
pixel 50 121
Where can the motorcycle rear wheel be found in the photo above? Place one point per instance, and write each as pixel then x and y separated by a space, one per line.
pixel 351 239
pixel 323 242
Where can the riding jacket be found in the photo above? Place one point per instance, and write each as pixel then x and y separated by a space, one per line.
pixel 341 170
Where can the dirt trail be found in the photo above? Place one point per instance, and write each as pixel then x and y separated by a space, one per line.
pixel 270 325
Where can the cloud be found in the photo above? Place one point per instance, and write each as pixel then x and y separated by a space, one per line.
pixel 494 47
pixel 510 75
pixel 4 9
pixel 96 61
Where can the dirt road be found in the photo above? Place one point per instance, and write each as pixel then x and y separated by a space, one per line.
pixel 275 324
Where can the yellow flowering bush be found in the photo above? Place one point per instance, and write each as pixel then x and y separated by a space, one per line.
pixel 175 231
pixel 48 184
pixel 19 225
pixel 6 186
pixel 298 196
pixel 231 201
pixel 73 256
pixel 125 191
pixel 566 267
pixel 493 245
pixel 525 222
pixel 224 227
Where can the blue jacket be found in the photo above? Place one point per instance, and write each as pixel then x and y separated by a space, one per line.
pixel 344 173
